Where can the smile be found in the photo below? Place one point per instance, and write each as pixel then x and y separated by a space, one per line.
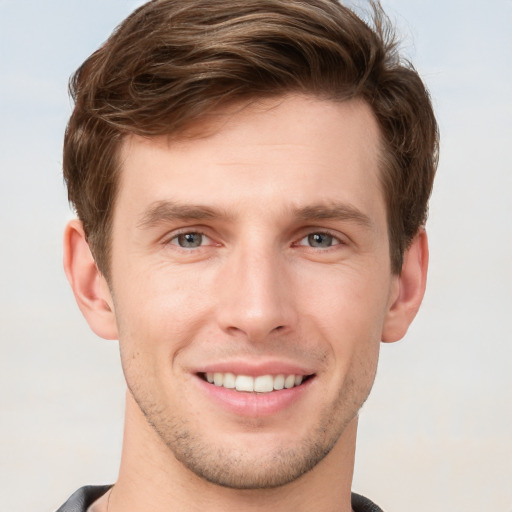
pixel 258 384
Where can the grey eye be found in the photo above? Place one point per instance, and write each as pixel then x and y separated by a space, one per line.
pixel 320 240
pixel 189 240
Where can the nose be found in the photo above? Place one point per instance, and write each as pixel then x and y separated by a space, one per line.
pixel 256 298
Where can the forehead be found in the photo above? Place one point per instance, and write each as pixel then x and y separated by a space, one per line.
pixel 290 151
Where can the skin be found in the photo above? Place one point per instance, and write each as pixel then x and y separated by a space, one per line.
pixel 291 268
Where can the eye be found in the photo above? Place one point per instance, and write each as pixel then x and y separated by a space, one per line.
pixel 320 240
pixel 190 240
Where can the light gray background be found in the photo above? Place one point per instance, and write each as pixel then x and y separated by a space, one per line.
pixel 436 433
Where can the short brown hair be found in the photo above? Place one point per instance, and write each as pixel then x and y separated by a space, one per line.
pixel 171 62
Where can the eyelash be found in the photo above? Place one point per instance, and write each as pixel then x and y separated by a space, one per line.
pixel 176 236
pixel 335 240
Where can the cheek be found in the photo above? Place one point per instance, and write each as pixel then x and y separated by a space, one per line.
pixel 158 313
pixel 345 300
pixel 349 315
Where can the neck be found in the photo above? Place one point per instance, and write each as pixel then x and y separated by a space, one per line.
pixel 150 478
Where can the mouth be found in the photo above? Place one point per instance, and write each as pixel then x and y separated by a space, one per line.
pixel 254 384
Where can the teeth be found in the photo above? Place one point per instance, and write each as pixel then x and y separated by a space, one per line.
pixel 229 380
pixel 279 382
pixel 244 383
pixel 259 384
pixel 264 384
pixel 289 382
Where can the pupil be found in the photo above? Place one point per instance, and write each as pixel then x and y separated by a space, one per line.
pixel 320 240
pixel 190 240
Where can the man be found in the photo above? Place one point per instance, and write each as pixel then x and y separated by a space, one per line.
pixel 251 181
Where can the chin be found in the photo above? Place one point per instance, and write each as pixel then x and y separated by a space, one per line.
pixel 244 470
pixel 253 459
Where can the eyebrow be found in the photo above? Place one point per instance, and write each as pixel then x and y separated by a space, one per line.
pixel 339 212
pixel 168 211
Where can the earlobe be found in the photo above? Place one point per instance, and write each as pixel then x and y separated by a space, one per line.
pixel 409 291
pixel 88 283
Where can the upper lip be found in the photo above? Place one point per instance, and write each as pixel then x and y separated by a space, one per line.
pixel 254 368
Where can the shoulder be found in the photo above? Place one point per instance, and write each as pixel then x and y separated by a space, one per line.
pixel 82 499
pixel 362 504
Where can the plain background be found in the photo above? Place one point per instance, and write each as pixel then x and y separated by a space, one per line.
pixel 436 433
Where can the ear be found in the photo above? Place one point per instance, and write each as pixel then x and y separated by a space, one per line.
pixel 408 290
pixel 89 285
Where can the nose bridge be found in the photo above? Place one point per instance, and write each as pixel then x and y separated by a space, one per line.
pixel 256 301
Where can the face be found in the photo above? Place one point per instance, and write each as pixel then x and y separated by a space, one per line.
pixel 251 282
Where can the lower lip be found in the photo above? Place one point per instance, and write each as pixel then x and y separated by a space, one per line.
pixel 254 405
